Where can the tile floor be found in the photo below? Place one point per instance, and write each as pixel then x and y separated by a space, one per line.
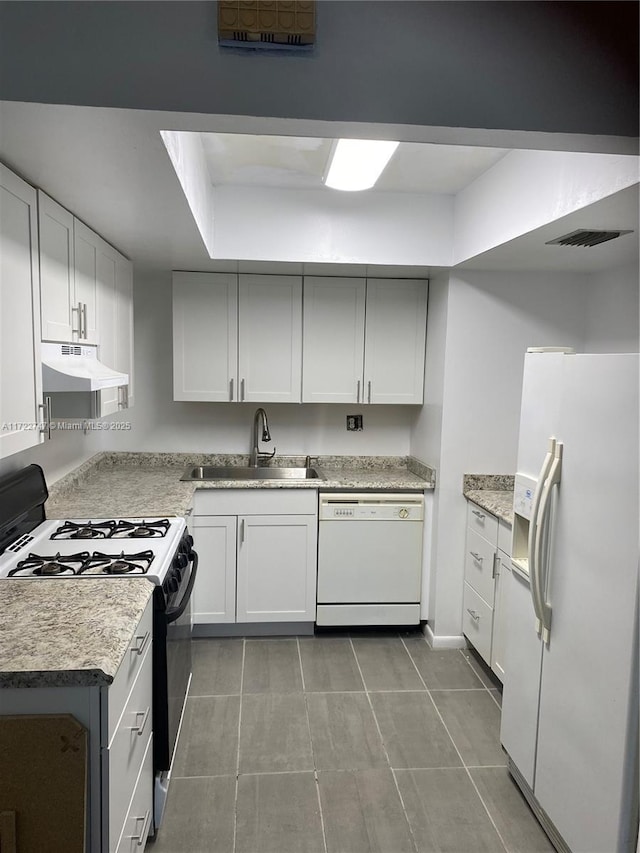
pixel 342 744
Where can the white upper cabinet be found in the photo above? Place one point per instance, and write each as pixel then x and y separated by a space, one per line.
pixel 20 369
pixel 237 341
pixel 205 336
pixel 124 328
pixel 106 262
pixel 60 314
pixel 270 338
pixel 396 325
pixel 333 340
pixel 69 261
pixel 90 261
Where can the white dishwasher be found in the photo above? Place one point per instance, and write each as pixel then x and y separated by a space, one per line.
pixel 369 558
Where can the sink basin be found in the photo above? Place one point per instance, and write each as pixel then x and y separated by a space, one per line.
pixel 236 472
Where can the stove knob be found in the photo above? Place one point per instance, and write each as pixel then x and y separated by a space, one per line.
pixel 172 585
pixel 180 561
pixel 186 543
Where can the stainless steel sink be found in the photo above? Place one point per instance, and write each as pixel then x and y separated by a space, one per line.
pixel 235 472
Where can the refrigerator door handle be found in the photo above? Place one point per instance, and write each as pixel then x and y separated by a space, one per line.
pixel 542 563
pixel 536 595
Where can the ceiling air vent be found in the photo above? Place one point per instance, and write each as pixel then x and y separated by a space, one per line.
pixel 267 24
pixel 585 238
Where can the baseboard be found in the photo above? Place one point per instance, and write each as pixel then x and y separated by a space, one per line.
pixel 443 641
pixel 254 629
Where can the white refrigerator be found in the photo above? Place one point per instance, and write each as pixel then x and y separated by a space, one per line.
pixel 570 702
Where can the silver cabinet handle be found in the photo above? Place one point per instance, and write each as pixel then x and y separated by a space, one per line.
pixel 476 556
pixel 358 391
pixel 474 615
pixel 369 390
pixel 77 311
pixel 188 512
pixel 242 390
pixel 141 726
pixel 242 531
pixel 146 820
pixel 46 414
pixel 84 321
pixel 120 397
pixel 496 562
pixel 478 514
pixel 231 390
pixel 141 643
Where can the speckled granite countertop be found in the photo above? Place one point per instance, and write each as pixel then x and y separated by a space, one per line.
pixel 493 492
pixel 67 633
pixel 145 484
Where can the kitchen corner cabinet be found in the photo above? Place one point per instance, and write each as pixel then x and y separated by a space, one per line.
pixel 258 557
pixel 364 340
pixel 20 369
pixel 237 339
pixel 487 559
pixel 119 721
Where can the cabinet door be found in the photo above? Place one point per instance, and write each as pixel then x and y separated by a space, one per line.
pixel 214 593
pixel 277 568
pixel 106 260
pixel 124 327
pixel 333 340
pixel 20 369
pixel 205 336
pixel 395 340
pixel 87 246
pixel 503 568
pixel 60 316
pixel 270 338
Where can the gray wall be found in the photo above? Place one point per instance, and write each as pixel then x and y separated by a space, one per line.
pixel 539 66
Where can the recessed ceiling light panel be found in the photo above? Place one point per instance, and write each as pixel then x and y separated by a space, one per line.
pixel 356 164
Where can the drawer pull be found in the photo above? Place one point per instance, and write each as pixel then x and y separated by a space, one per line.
pixel 478 514
pixel 141 727
pixel 146 820
pixel 141 643
pixel 476 556
pixel 474 614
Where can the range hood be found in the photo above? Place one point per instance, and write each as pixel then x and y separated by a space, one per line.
pixel 71 367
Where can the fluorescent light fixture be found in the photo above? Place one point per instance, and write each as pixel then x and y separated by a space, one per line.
pixel 356 164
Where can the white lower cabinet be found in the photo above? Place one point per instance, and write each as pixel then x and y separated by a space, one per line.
pixel 258 561
pixel 119 723
pixel 487 559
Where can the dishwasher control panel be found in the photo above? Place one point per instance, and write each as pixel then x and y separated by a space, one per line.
pixel 371 507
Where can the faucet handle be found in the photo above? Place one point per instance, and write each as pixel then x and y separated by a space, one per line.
pixel 307 461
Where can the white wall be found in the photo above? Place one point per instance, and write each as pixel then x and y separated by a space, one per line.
pixel 64 452
pixel 612 311
pixel 160 424
pixel 491 319
pixel 271 224
pixel 528 189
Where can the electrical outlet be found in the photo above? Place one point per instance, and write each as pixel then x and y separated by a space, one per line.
pixel 354 423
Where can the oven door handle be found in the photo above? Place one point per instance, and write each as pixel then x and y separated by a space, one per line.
pixel 176 612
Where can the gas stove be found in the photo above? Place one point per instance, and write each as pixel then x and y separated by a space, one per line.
pixel 110 547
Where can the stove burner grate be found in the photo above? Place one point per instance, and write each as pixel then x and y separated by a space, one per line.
pixel 85 530
pixel 118 564
pixel 142 529
pixel 47 567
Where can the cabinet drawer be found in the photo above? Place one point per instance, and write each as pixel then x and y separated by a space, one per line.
pixel 140 814
pixel 482 522
pixel 504 537
pixel 129 668
pixel 479 565
pixel 126 751
pixel 477 622
pixel 255 501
